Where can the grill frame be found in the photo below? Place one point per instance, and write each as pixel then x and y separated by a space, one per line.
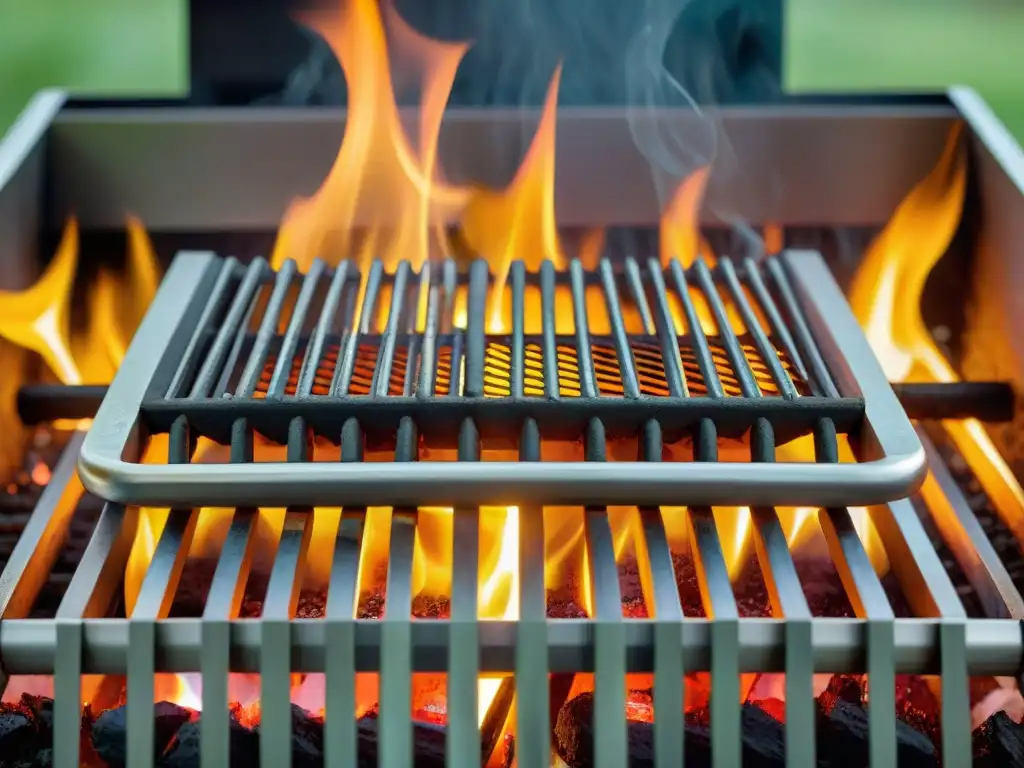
pixel 891 465
pixel 75 642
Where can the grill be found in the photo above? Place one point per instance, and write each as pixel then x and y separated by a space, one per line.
pixel 221 380
pixel 286 457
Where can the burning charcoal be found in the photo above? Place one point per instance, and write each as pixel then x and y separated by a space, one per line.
pixel 184 750
pixel 842 736
pixel 19 733
pixel 428 743
pixel 917 706
pixel 312 605
pixel 307 739
pixel 842 687
pixel 752 594
pixel 371 605
pixel 110 728
pixel 633 605
pixel 686 583
pixel 507 751
pixel 823 588
pixel 427 607
pixel 999 742
pixel 763 737
pixel 26 734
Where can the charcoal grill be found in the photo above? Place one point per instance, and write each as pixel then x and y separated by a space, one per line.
pixel 95 162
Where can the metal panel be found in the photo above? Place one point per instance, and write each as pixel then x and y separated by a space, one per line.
pixel 237 169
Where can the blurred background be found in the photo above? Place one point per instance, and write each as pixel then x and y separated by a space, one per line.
pixel 132 48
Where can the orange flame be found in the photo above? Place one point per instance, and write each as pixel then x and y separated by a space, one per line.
pixel 519 222
pixel 680 222
pixel 886 296
pixel 377 171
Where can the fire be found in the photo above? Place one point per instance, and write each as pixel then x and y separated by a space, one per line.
pixel 37 320
pixel 680 222
pixel 378 171
pixel 886 296
pixel 519 222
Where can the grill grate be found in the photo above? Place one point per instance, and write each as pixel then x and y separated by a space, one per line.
pixel 277 644
pixel 294 358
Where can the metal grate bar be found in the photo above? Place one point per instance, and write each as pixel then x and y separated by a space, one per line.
pixel 328 313
pixel 963 534
pixel 518 363
pixel 867 596
pixel 414 341
pixel 789 603
pixel 289 346
pixel 26 570
pixel 701 349
pixel 552 390
pixel 584 358
pixel 275 639
pixel 663 602
pixel 764 347
pixel 99 573
pixel 778 328
pixel 386 355
pixel 152 603
pixel 819 370
pixel 610 742
pixel 726 335
pixel 476 331
pixel 462 738
pixel 347 354
pixel 267 330
pixel 218 298
pixel 634 280
pixel 395 725
pixel 674 374
pixel 533 728
pixel 222 602
pixel 340 736
pixel 234 325
pixel 720 605
pixel 627 365
pixel 439 305
pixel 67 694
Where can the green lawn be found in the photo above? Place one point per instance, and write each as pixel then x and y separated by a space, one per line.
pixel 92 46
pixel 139 46
pixel 908 45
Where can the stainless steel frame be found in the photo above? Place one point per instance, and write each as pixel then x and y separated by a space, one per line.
pixel 78 641
pixel 891 467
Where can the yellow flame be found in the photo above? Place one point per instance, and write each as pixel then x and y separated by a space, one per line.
pixel 377 172
pixel 37 318
pixel 886 297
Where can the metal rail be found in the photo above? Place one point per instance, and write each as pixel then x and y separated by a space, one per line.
pixel 739 388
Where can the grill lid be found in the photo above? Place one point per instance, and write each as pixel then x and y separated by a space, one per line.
pixel 228 351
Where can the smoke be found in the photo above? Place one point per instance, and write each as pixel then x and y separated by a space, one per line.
pixel 675 147
pixel 669 63
pixel 677 127
pixel 720 51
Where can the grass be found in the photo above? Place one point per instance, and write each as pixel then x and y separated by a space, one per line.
pixel 130 47
pixel 909 45
pixel 108 47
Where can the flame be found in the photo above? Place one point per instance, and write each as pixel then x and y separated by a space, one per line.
pixel 680 222
pixel 377 170
pixel 886 297
pixel 37 318
pixel 498 581
pixel 519 221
